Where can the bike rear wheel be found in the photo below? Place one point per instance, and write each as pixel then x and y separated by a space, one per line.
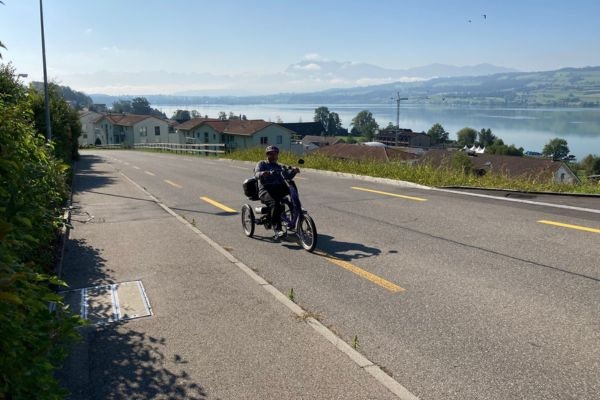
pixel 307 232
pixel 248 220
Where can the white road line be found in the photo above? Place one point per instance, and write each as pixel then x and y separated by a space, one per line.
pixel 537 203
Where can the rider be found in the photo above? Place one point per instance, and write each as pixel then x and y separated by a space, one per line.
pixel 272 187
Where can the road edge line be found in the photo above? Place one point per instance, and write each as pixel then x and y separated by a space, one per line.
pixel 361 361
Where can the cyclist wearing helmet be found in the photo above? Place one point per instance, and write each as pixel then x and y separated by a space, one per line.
pixel 272 187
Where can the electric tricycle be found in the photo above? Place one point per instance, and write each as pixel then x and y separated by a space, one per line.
pixel 294 219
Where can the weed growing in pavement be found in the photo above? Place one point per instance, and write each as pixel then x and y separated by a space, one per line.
pixel 355 344
pixel 291 295
pixel 309 314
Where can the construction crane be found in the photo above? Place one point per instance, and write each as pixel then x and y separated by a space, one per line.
pixel 397 99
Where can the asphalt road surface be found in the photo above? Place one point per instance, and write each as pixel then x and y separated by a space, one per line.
pixel 455 296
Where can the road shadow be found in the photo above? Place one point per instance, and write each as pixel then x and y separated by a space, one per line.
pixel 127 363
pixel 83 265
pixel 346 251
pixel 87 177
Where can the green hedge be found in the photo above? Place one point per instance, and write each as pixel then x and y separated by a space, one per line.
pixel 33 188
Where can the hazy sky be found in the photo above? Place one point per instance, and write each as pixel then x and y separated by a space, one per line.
pixel 151 46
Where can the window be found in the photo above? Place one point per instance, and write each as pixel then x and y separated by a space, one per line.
pixel 157 130
pixel 143 131
pixel 206 136
pixel 85 135
pixel 279 139
pixel 214 136
pixel 264 140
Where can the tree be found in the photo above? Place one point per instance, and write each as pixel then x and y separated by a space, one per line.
pixel 322 116
pixel 181 116
pixel 486 137
pixel 438 133
pixel 64 120
pixel 222 115
pixel 233 116
pixel 122 106
pixel 333 124
pixel 196 114
pixel 141 106
pixel 466 136
pixel 590 164
pixel 365 124
pixel 556 148
pixel 498 147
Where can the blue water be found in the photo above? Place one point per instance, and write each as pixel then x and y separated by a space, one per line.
pixel 523 127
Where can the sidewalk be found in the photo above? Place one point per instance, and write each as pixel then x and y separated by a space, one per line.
pixel 214 332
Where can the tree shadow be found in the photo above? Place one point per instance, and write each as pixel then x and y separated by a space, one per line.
pixel 345 250
pixel 83 266
pixel 130 364
pixel 87 177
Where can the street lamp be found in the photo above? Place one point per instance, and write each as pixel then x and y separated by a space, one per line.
pixel 46 102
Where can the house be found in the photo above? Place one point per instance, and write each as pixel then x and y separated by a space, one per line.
pixel 311 143
pixel 403 137
pixel 130 129
pixel 361 152
pixel 512 166
pixel 236 133
pixel 88 128
pixel 302 129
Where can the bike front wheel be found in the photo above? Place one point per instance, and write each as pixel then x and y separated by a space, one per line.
pixel 307 232
pixel 248 220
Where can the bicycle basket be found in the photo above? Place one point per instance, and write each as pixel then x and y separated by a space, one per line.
pixel 250 186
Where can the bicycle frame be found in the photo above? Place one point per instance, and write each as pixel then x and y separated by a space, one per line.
pixel 296 207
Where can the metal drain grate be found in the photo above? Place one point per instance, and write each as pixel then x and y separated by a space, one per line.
pixel 110 303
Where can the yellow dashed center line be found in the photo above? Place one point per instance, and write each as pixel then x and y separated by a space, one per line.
pixel 149 173
pixel 577 227
pixel 392 287
pixel 218 205
pixel 389 194
pixel 173 184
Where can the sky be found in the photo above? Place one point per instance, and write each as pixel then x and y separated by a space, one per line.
pixel 247 47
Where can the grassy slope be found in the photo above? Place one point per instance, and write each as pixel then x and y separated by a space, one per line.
pixel 421 174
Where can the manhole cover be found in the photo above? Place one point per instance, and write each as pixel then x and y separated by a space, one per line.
pixel 109 303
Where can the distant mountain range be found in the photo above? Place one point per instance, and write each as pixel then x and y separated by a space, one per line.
pixel 568 87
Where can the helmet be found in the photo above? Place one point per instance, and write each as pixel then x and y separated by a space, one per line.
pixel 271 149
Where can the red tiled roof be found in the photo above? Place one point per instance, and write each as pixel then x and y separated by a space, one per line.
pixel 194 123
pixel 364 153
pixel 124 119
pixel 510 165
pixel 234 126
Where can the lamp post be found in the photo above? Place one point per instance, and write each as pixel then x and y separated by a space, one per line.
pixel 46 102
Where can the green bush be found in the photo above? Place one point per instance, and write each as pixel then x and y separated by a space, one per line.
pixel 32 191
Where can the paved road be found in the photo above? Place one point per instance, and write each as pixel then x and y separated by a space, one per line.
pixel 466 297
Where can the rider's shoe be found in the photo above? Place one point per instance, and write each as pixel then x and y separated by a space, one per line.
pixel 279 234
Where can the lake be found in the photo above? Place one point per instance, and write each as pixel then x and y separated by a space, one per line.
pixel 530 128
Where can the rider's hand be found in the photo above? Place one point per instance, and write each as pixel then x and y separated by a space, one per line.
pixel 266 173
pixel 297 170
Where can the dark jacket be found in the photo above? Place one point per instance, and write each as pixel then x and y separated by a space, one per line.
pixel 273 182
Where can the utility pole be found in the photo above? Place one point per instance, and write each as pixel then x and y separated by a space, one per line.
pixel 397 99
pixel 46 102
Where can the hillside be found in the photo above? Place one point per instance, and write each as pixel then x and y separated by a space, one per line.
pixel 568 87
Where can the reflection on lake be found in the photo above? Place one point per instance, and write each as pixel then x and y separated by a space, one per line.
pixel 527 128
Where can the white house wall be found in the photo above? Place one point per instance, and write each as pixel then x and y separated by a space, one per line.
pixel 87 137
pixel 150 136
pixel 271 134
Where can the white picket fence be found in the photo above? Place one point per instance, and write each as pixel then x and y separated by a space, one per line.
pixel 208 148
